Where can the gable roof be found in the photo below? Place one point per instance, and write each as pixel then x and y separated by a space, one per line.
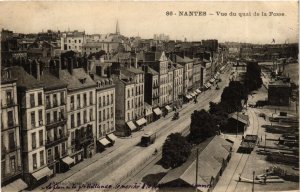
pixel 24 80
pixel 211 154
pixel 73 81
pixel 240 117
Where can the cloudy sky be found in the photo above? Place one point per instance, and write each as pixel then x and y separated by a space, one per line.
pixel 148 18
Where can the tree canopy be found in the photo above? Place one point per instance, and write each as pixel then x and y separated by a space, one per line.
pixel 253 79
pixel 202 126
pixel 232 96
pixel 175 150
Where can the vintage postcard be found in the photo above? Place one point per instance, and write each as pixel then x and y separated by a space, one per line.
pixel 149 96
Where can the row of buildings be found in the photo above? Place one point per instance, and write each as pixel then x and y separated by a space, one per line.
pixel 56 112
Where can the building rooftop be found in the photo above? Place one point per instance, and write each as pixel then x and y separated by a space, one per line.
pixel 51 82
pixel 79 79
pixel 211 154
pixel 24 80
pixel 279 83
pixel 152 71
pixel 241 117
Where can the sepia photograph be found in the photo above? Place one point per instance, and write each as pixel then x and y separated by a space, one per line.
pixel 149 96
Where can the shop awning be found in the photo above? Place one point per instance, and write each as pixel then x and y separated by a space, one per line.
pixel 157 111
pixel 42 173
pixel 208 85
pixel 168 108
pixel 212 80
pixel 188 96
pixel 68 160
pixel 104 141
pixel 198 91
pixel 193 94
pixel 131 125
pixel 112 136
pixel 17 185
pixel 141 121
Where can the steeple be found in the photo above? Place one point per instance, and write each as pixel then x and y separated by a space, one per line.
pixel 117 28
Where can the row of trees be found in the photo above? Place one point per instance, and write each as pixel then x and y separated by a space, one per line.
pixel 177 148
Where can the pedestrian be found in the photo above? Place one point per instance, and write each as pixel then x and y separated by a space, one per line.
pixel 265 179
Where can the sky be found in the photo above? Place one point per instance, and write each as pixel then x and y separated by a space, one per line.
pixel 148 18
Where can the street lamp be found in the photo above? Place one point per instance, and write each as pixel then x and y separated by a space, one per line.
pixel 253 181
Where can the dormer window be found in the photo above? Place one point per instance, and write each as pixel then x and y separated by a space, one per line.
pixel 82 80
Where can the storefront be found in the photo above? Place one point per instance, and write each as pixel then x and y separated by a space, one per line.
pixel 148 113
pixel 130 128
pixel 112 138
pixel 141 122
pixel 157 113
pixel 66 163
pixel 17 185
pixel 103 143
pixel 39 177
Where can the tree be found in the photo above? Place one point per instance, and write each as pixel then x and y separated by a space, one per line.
pixel 202 126
pixel 232 96
pixel 218 113
pixel 175 150
pixel 253 79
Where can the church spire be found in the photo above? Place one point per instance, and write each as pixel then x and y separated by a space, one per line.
pixel 117 28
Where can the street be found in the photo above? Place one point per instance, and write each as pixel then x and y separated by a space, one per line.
pixel 126 157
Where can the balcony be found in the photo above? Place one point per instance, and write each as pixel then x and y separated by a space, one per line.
pixel 52 124
pixel 9 103
pixel 56 140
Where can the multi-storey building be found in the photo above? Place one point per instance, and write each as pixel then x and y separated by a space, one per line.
pixel 11 165
pixel 171 69
pixel 72 41
pixel 105 103
pixel 130 97
pixel 151 95
pixel 196 74
pixel 81 110
pixel 55 93
pixel 159 62
pixel 187 64
pixel 32 117
pixel 177 85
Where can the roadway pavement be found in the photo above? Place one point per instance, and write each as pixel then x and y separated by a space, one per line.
pixel 119 162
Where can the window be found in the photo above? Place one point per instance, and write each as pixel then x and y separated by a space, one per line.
pixel 48 101
pixel 84 117
pixel 91 115
pixel 12 164
pixel 32 115
pixel 32 103
pixel 11 141
pixel 72 102
pixel 55 100
pixel 63 148
pixel 79 41
pixel 70 46
pixel 99 116
pixel 62 114
pixel 75 40
pixel 100 131
pixel 128 105
pixel 42 158
pixel 9 99
pixel 41 137
pixel 112 98
pixel 78 101
pixel 104 103
pixel 49 155
pixel 55 116
pixel 10 118
pixel 103 115
pixel 40 99
pixel 78 119
pixel 34 161
pixel 112 112
pixel 84 100
pixel 62 98
pixel 48 118
pixel 91 98
pixel 33 140
pixel 107 98
pixel 107 114
pixel 72 121
pixel 100 104
pixel 128 93
pixel 40 117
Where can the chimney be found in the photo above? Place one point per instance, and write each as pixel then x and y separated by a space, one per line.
pixel 38 70
pixel 98 70
pixel 136 63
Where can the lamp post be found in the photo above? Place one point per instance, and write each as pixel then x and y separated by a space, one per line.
pixel 253 181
